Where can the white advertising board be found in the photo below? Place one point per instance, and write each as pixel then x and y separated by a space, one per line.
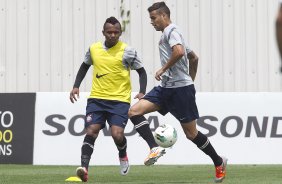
pixel 244 127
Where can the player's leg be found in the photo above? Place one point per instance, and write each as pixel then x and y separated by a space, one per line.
pixel 94 122
pixel 141 124
pixel 121 143
pixel 183 107
pixel 201 141
pixel 149 103
pixel 204 144
pixel 117 118
pixel 92 132
pixel 119 139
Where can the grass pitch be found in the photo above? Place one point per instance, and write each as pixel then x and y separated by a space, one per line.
pixel 202 174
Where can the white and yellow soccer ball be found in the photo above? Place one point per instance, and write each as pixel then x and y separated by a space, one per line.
pixel 165 135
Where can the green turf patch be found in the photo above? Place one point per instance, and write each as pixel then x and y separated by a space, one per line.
pixel 197 174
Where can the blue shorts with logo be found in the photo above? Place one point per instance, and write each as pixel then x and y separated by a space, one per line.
pixel 180 102
pixel 98 111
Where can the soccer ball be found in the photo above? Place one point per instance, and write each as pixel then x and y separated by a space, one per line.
pixel 165 135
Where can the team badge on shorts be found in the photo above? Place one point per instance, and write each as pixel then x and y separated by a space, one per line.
pixel 89 118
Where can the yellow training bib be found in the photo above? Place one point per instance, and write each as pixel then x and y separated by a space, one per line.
pixel 111 79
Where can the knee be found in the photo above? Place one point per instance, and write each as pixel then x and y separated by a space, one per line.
pixel 190 137
pixel 91 132
pixel 117 136
pixel 93 135
pixel 117 133
pixel 191 134
pixel 132 112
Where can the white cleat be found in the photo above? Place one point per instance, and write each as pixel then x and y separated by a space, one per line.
pixel 124 165
pixel 154 155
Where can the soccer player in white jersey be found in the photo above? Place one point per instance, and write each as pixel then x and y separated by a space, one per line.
pixel 110 95
pixel 176 93
pixel 279 31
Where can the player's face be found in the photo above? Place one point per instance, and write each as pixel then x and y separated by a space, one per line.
pixel 157 20
pixel 112 34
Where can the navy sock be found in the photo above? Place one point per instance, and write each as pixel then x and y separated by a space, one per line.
pixel 122 148
pixel 204 144
pixel 141 125
pixel 87 150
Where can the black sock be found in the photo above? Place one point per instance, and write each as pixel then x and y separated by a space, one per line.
pixel 122 148
pixel 141 125
pixel 204 144
pixel 87 150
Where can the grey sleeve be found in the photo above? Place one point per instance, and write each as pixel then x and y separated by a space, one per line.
pixel 174 38
pixel 188 50
pixel 87 58
pixel 131 59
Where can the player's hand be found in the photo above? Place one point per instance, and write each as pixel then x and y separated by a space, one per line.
pixel 159 73
pixel 139 96
pixel 74 95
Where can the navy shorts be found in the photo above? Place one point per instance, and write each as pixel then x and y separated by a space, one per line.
pixel 180 102
pixel 98 111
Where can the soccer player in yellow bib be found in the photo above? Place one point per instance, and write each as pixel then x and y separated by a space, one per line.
pixel 110 96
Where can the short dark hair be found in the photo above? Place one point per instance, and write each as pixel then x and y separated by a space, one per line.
pixel 160 6
pixel 111 20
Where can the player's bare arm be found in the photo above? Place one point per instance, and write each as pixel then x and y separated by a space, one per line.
pixel 177 53
pixel 279 29
pixel 193 64
pixel 279 32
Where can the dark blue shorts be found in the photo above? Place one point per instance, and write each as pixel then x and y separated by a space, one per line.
pixel 98 111
pixel 180 102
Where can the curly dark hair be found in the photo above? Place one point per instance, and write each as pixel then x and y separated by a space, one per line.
pixel 112 20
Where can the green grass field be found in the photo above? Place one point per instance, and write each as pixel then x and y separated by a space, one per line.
pixel 239 174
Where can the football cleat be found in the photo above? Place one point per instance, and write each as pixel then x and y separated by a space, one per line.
pixel 154 155
pixel 220 171
pixel 82 173
pixel 124 165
